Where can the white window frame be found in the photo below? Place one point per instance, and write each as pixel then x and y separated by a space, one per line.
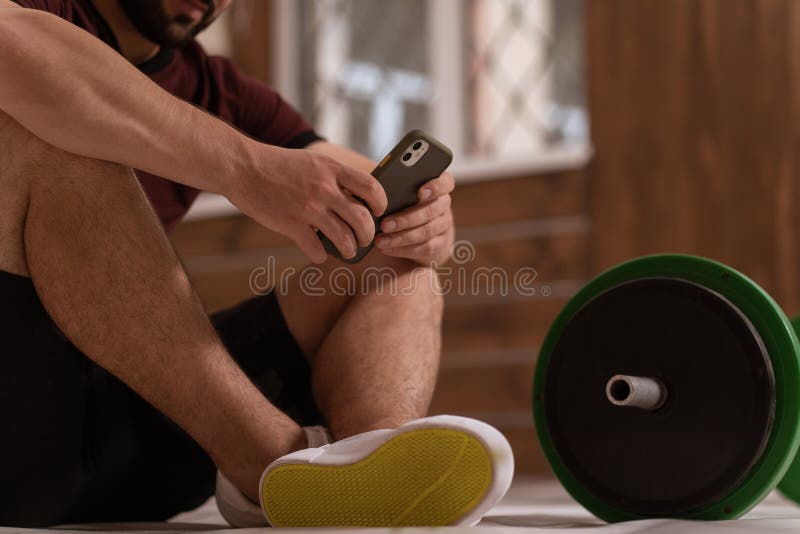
pixel 447 117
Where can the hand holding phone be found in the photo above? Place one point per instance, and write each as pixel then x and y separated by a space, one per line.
pixel 415 160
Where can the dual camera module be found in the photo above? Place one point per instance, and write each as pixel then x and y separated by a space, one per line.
pixel 414 152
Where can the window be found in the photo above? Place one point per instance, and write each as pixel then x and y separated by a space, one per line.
pixel 499 81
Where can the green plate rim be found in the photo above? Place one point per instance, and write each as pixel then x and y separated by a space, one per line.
pixel 778 336
pixel 790 483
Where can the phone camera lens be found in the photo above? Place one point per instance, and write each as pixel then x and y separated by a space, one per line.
pixel 406 157
pixel 417 145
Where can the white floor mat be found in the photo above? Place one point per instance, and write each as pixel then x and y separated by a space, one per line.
pixel 532 506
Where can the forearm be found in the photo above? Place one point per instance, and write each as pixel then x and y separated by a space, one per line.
pixel 83 97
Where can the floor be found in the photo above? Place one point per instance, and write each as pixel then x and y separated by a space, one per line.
pixel 531 506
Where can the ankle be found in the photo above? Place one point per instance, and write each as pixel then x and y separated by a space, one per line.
pixel 245 475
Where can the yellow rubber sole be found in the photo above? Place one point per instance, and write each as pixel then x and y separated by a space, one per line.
pixel 424 477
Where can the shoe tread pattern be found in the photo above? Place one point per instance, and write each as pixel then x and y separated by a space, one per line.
pixel 424 477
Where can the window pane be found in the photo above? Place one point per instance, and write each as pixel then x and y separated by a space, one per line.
pixel 524 76
pixel 365 77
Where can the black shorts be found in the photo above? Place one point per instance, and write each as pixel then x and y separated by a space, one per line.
pixel 77 445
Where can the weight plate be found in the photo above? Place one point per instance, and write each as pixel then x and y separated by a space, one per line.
pixel 790 485
pixel 677 295
pixel 670 460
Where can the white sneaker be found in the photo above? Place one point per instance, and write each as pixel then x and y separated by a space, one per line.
pixel 442 470
pixel 238 509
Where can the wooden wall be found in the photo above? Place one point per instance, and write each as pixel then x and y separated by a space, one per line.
pixel 694 109
pixel 250 29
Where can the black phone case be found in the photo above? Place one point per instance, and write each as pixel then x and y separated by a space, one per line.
pixel 401 183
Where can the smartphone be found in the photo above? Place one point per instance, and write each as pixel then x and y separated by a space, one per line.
pixel 416 159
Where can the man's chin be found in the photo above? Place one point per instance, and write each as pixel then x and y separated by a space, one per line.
pixel 175 38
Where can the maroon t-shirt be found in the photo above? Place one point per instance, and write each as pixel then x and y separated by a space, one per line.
pixel 212 83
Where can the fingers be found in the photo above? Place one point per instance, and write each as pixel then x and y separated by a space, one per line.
pixel 309 244
pixel 353 212
pixel 415 236
pixel 443 185
pixel 421 233
pixel 429 251
pixel 416 215
pixel 364 186
pixel 338 232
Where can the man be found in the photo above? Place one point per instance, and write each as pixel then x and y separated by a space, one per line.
pixel 121 400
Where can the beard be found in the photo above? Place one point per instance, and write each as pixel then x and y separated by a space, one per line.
pixel 149 17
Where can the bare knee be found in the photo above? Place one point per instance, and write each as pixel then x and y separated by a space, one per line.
pixel 26 160
pixel 82 187
pixel 414 284
pixel 43 187
pixel 21 152
pixel 427 291
pixel 54 168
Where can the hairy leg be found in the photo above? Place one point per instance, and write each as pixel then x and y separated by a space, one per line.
pixel 375 353
pixel 13 196
pixel 84 232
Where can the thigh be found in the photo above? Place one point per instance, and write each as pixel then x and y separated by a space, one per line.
pixel 257 337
